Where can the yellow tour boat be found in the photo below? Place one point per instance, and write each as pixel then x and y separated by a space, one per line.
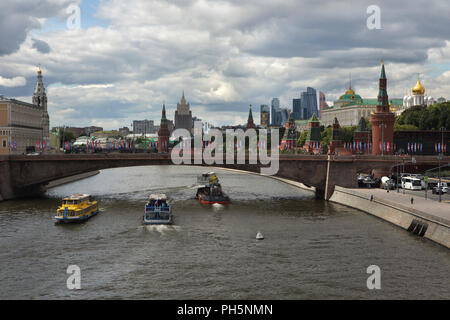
pixel 77 207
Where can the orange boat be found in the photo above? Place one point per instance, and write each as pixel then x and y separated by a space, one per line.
pixel 210 190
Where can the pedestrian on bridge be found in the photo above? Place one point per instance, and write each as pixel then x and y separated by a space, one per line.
pixel 412 200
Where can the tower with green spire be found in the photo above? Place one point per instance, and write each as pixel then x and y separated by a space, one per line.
pixel 314 136
pixel 382 121
pixel 290 134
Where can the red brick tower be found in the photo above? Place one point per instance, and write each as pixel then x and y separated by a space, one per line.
pixel 163 133
pixel 382 121
pixel 335 142
pixel 250 123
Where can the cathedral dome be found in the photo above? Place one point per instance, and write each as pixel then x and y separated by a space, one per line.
pixel 350 91
pixel 418 88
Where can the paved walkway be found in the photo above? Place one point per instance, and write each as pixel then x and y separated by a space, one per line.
pixel 431 209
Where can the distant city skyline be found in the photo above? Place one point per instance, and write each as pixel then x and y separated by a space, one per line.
pixel 103 75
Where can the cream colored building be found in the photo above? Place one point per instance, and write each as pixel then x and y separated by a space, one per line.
pixel 24 125
pixel 350 107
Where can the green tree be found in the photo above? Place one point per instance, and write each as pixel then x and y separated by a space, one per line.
pixel 302 138
pixel 426 118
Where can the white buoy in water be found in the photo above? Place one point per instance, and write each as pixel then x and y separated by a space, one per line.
pixel 259 236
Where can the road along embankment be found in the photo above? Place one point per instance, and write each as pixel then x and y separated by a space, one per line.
pixel 424 218
pixel 59 182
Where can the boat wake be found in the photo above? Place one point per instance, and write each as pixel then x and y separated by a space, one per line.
pixel 217 206
pixel 162 229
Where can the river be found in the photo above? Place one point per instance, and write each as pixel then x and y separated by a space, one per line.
pixel 312 249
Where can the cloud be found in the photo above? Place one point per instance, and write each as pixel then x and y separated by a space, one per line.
pixel 40 46
pixel 14 82
pixel 225 54
pixel 19 17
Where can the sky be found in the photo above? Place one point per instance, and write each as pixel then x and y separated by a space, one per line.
pixel 127 58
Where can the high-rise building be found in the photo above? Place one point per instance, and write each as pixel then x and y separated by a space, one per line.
pixel 143 126
pixel 264 115
pixel 183 115
pixel 308 103
pixel 323 105
pixel 284 116
pixel 275 112
pixel 296 109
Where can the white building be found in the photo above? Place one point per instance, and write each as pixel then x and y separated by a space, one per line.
pixel 417 98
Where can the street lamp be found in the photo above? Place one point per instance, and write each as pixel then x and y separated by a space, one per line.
pixel 439 159
pixel 396 163
pixel 403 187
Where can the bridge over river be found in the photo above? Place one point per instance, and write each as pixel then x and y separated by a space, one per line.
pixel 23 175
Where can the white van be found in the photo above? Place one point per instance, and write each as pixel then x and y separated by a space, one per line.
pixel 411 183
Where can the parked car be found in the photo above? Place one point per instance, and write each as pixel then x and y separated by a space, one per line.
pixel 388 183
pixel 440 188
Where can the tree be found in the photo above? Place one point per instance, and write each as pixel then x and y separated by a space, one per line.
pixel 302 138
pixel 426 118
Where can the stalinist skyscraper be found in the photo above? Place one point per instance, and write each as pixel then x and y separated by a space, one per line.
pixel 183 116
pixel 40 100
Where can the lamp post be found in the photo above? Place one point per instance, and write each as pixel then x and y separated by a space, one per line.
pixel 396 162
pixel 403 187
pixel 439 159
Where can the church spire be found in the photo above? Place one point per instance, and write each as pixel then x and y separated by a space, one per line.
pixel 163 118
pixel 39 96
pixel 383 74
pixel 40 100
pixel 250 123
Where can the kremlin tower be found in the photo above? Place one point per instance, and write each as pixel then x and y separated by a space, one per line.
pixel 163 133
pixel 382 121
pixel 250 123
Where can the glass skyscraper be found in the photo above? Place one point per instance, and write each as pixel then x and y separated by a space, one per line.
pixel 276 112
pixel 308 104
pixel 296 109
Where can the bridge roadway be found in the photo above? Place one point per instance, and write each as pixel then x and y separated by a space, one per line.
pixel 23 175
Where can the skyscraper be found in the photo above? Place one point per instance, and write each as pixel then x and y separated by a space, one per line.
pixel 183 116
pixel 308 104
pixel 264 115
pixel 322 103
pixel 296 108
pixel 284 116
pixel 276 117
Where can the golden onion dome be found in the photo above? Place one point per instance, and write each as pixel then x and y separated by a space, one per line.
pixel 418 88
pixel 350 91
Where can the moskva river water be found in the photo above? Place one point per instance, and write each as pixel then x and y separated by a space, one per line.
pixel 312 249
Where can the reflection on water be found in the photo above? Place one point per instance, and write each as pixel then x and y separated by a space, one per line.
pixel 312 249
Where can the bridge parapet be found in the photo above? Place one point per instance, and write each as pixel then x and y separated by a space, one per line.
pixel 24 175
